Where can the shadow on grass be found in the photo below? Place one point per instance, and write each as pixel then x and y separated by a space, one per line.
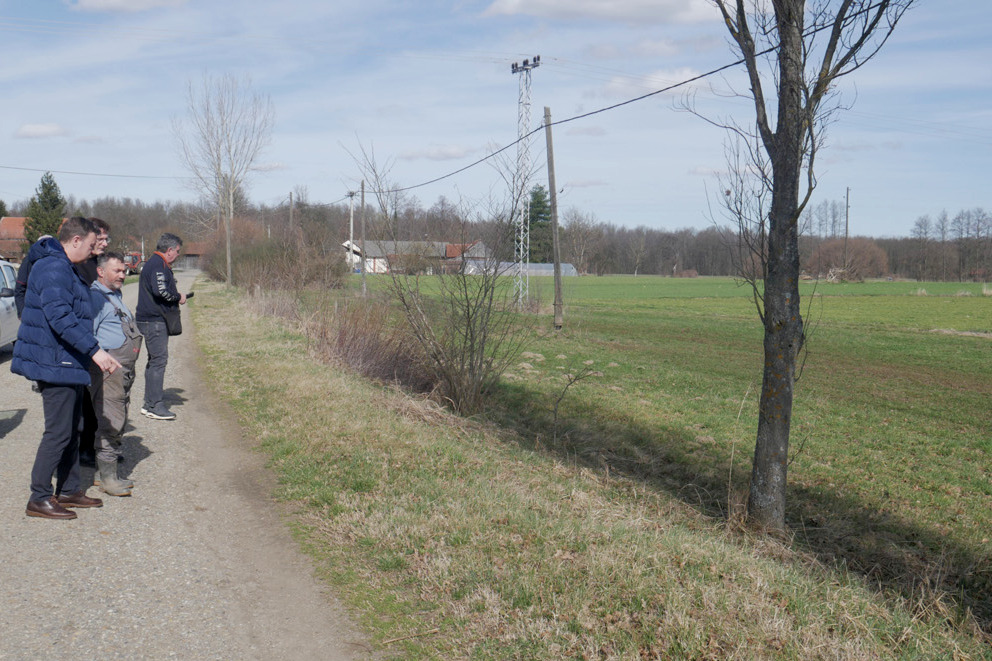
pixel 932 571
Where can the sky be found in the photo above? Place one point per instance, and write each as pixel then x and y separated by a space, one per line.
pixel 90 90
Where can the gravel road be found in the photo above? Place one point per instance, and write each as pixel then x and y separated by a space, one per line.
pixel 197 564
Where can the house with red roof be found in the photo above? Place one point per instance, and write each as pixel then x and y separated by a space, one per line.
pixel 12 237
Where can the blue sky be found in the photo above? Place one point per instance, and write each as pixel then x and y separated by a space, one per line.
pixel 91 86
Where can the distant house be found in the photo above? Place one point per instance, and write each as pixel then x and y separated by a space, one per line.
pixel 192 253
pixel 426 257
pixel 537 269
pixel 12 237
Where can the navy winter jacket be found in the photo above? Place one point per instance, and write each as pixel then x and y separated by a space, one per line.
pixel 55 342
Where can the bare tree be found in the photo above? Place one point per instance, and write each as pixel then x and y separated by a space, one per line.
pixel 921 232
pixel 461 312
pixel 796 49
pixel 227 124
pixel 580 233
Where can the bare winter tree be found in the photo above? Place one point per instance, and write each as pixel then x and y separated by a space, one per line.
pixel 794 52
pixel 460 312
pixel 580 233
pixel 227 124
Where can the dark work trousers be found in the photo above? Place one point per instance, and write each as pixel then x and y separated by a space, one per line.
pixel 58 452
pixel 157 346
pixel 87 435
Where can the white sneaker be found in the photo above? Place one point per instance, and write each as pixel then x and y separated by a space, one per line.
pixel 158 413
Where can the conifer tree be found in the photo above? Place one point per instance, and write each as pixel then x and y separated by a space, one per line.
pixel 539 217
pixel 45 211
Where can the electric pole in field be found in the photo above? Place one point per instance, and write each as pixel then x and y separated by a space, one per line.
pixel 364 290
pixel 847 225
pixel 521 243
pixel 555 251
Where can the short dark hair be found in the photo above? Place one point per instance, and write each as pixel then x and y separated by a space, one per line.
pixel 167 241
pixel 101 260
pixel 76 226
pixel 100 225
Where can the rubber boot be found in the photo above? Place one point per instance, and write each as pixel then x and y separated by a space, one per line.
pixel 109 482
pixel 128 484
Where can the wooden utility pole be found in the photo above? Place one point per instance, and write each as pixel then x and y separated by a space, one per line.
pixel 559 312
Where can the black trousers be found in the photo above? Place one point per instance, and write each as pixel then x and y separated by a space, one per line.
pixel 58 452
pixel 87 436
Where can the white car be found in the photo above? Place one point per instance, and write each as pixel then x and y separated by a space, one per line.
pixel 8 313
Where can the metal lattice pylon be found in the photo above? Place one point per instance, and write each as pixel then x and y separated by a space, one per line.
pixel 521 243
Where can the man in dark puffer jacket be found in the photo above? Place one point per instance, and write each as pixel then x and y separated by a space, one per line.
pixel 158 317
pixel 55 345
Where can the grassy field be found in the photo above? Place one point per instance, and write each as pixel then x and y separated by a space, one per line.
pixel 611 532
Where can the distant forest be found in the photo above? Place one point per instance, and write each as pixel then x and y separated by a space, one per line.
pixel 947 247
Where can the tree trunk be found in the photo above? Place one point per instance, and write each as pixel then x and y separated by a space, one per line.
pixel 783 321
pixel 783 340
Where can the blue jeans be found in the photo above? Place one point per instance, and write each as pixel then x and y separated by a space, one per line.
pixel 157 348
pixel 58 452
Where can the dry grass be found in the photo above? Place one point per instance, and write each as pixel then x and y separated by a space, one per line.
pixel 451 540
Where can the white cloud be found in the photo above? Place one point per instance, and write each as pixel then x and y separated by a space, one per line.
pixel 658 48
pixel 630 86
pixel 37 131
pixel 438 153
pixel 122 5
pixel 623 11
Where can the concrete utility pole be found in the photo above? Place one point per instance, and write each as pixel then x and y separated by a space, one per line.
pixel 291 213
pixel 364 291
pixel 559 312
pixel 351 229
pixel 847 224
pixel 521 244
pixel 227 230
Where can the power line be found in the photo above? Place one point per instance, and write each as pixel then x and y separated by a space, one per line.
pixel 565 121
pixel 95 174
pixel 810 32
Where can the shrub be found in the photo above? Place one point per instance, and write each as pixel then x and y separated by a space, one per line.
pixel 272 264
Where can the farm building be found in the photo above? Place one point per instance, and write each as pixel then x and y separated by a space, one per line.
pixel 415 256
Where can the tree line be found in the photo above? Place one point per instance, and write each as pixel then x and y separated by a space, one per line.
pixel 944 247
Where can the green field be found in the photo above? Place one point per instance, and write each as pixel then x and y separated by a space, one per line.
pixel 640 482
pixel 892 431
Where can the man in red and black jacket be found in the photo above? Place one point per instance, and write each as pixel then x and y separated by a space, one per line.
pixel 157 315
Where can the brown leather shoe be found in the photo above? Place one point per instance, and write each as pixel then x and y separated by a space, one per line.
pixel 78 499
pixel 48 509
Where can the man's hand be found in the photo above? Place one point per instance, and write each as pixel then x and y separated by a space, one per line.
pixel 182 299
pixel 105 361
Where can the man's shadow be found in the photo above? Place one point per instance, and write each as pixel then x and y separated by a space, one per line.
pixel 174 397
pixel 11 420
pixel 133 452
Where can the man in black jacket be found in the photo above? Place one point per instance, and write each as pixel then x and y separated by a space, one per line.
pixel 157 315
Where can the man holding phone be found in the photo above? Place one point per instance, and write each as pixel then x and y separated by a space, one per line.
pixel 158 318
